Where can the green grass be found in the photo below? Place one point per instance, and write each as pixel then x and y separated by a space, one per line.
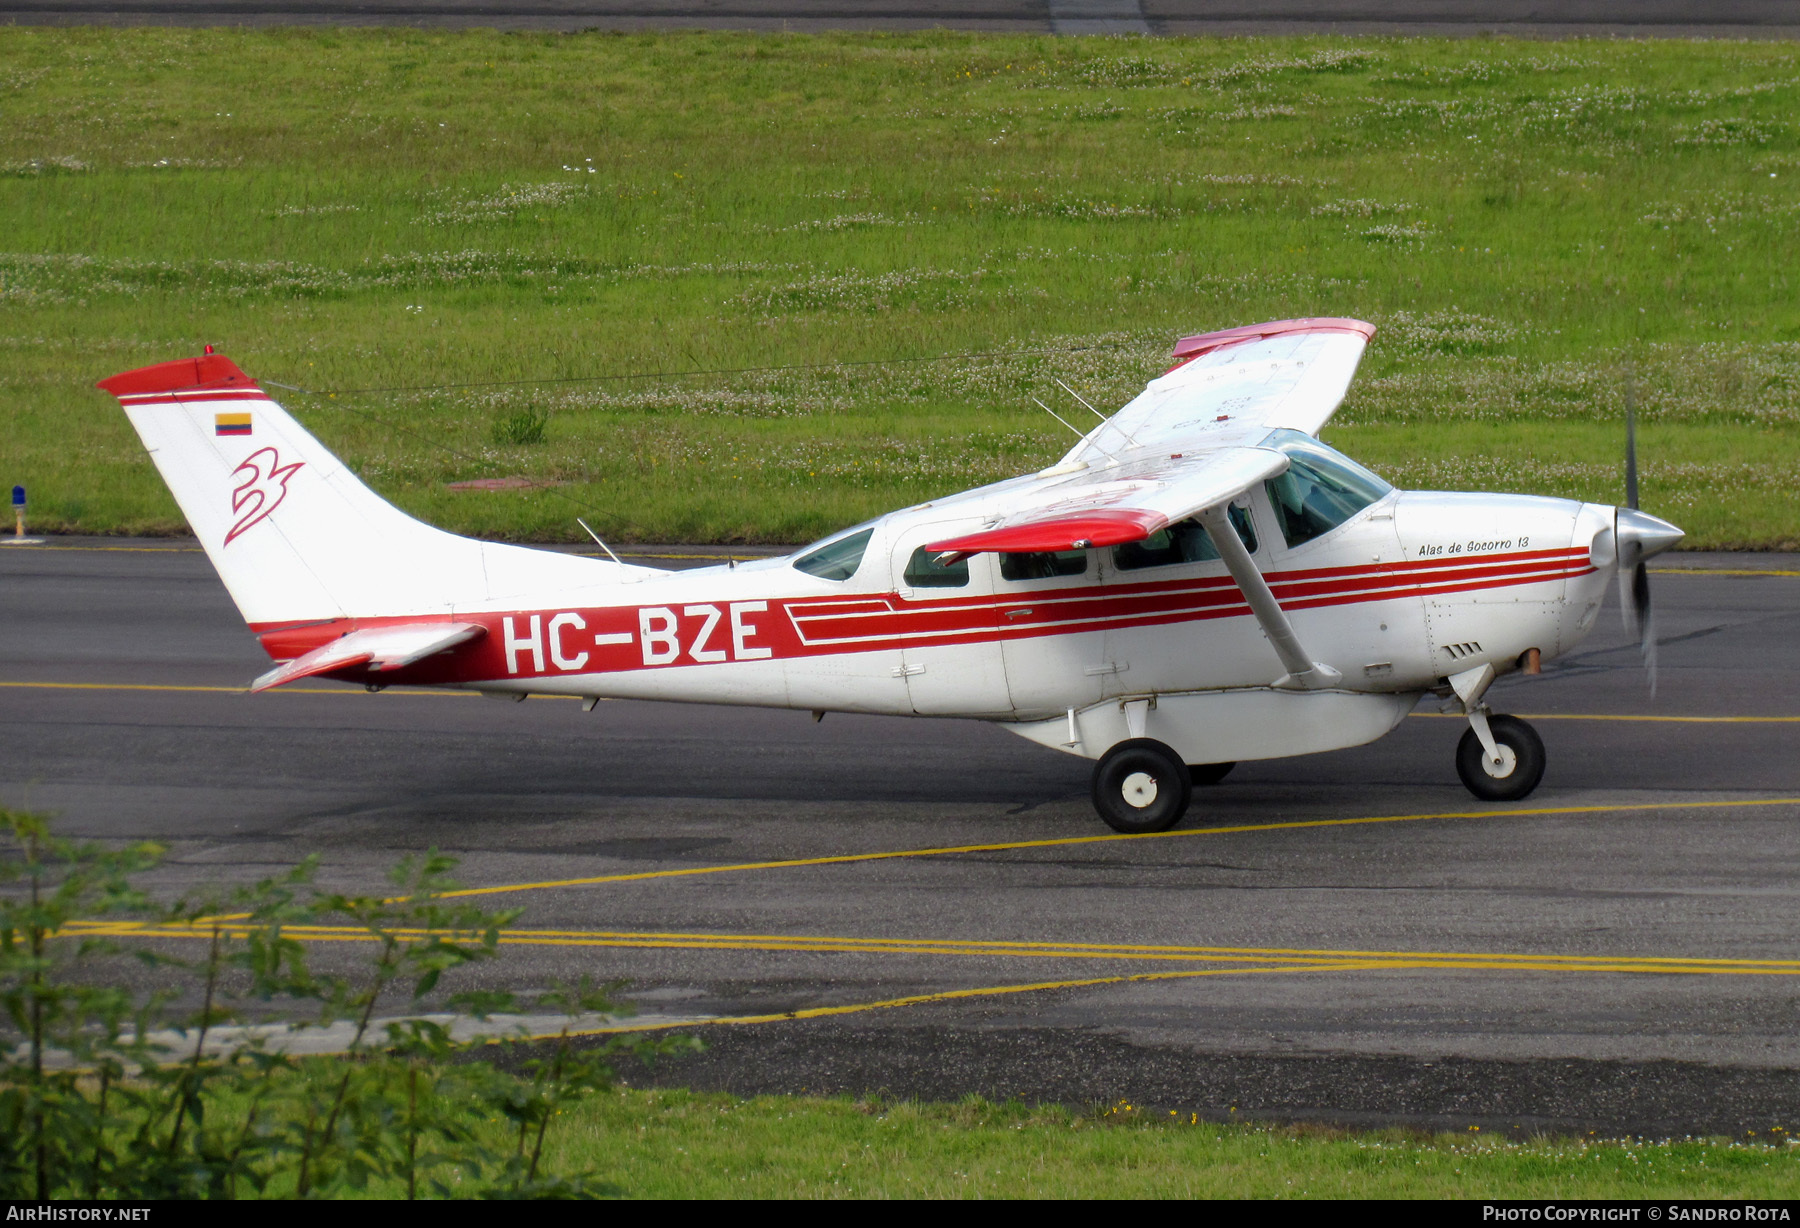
pixel 1533 225
pixel 666 1144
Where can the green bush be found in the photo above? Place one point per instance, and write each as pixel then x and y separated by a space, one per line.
pixel 111 1092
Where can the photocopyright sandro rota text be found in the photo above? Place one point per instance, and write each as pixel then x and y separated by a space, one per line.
pixel 1638 1212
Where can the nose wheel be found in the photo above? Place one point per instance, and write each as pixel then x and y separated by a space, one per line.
pixel 1141 786
pixel 1508 769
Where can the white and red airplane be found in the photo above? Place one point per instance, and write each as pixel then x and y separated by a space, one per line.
pixel 1199 581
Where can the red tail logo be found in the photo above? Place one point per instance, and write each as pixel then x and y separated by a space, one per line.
pixel 262 490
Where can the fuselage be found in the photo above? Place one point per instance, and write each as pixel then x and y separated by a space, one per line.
pixel 1407 591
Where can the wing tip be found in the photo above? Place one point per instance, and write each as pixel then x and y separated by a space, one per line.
pixel 1205 343
pixel 1080 531
pixel 204 373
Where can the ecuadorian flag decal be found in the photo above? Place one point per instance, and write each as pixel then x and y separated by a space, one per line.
pixel 231 424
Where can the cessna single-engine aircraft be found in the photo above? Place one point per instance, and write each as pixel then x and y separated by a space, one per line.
pixel 1199 581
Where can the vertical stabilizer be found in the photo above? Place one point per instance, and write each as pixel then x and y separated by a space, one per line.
pixel 295 535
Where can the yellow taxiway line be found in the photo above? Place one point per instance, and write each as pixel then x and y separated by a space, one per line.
pixel 1719 571
pixel 1353 964
pixel 461 694
pixel 1611 716
pixel 245 690
pixel 586 554
pixel 1066 841
pixel 828 944
pixel 948 995
pixel 238 690
pixel 122 549
pixel 1238 962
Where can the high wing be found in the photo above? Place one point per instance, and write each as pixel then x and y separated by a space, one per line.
pixel 1189 442
pixel 1126 503
pixel 1236 386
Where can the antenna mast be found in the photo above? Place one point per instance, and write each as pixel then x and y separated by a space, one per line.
pixel 598 542
pixel 1059 418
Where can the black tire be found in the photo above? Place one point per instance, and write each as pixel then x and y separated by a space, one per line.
pixel 1141 786
pixel 1527 769
pixel 1203 774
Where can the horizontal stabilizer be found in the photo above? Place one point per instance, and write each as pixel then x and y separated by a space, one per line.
pixel 380 648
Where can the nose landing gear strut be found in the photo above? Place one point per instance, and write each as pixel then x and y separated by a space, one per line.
pixel 1500 758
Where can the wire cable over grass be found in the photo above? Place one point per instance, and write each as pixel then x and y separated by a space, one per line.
pixel 974 355
pixel 545 485
pixel 330 396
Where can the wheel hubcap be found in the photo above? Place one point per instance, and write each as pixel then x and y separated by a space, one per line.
pixel 1502 768
pixel 1139 789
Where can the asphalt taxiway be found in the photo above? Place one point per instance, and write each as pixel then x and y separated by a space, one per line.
pixel 930 908
pixel 1530 18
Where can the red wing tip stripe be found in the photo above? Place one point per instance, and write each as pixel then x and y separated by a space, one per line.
pixel 1205 343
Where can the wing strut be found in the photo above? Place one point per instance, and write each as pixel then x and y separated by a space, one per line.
pixel 1303 673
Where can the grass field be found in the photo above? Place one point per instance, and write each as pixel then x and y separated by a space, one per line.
pixel 419 221
pixel 680 1144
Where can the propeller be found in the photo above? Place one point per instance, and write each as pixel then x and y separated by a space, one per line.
pixel 1639 536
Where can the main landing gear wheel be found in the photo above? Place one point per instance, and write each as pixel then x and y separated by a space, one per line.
pixel 1521 763
pixel 1141 786
pixel 1209 773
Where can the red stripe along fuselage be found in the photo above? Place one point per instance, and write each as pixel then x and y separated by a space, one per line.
pixel 559 642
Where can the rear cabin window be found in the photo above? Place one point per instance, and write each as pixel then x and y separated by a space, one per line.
pixel 924 571
pixel 1043 565
pixel 1321 489
pixel 836 558
pixel 1185 541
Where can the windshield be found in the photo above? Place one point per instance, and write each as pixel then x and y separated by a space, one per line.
pixel 837 557
pixel 1320 490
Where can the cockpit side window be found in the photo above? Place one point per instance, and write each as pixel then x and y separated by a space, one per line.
pixel 836 558
pixel 925 570
pixel 1185 541
pixel 1320 490
pixel 1043 565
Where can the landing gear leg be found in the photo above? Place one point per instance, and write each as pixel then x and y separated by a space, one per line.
pixel 1141 786
pixel 1500 758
